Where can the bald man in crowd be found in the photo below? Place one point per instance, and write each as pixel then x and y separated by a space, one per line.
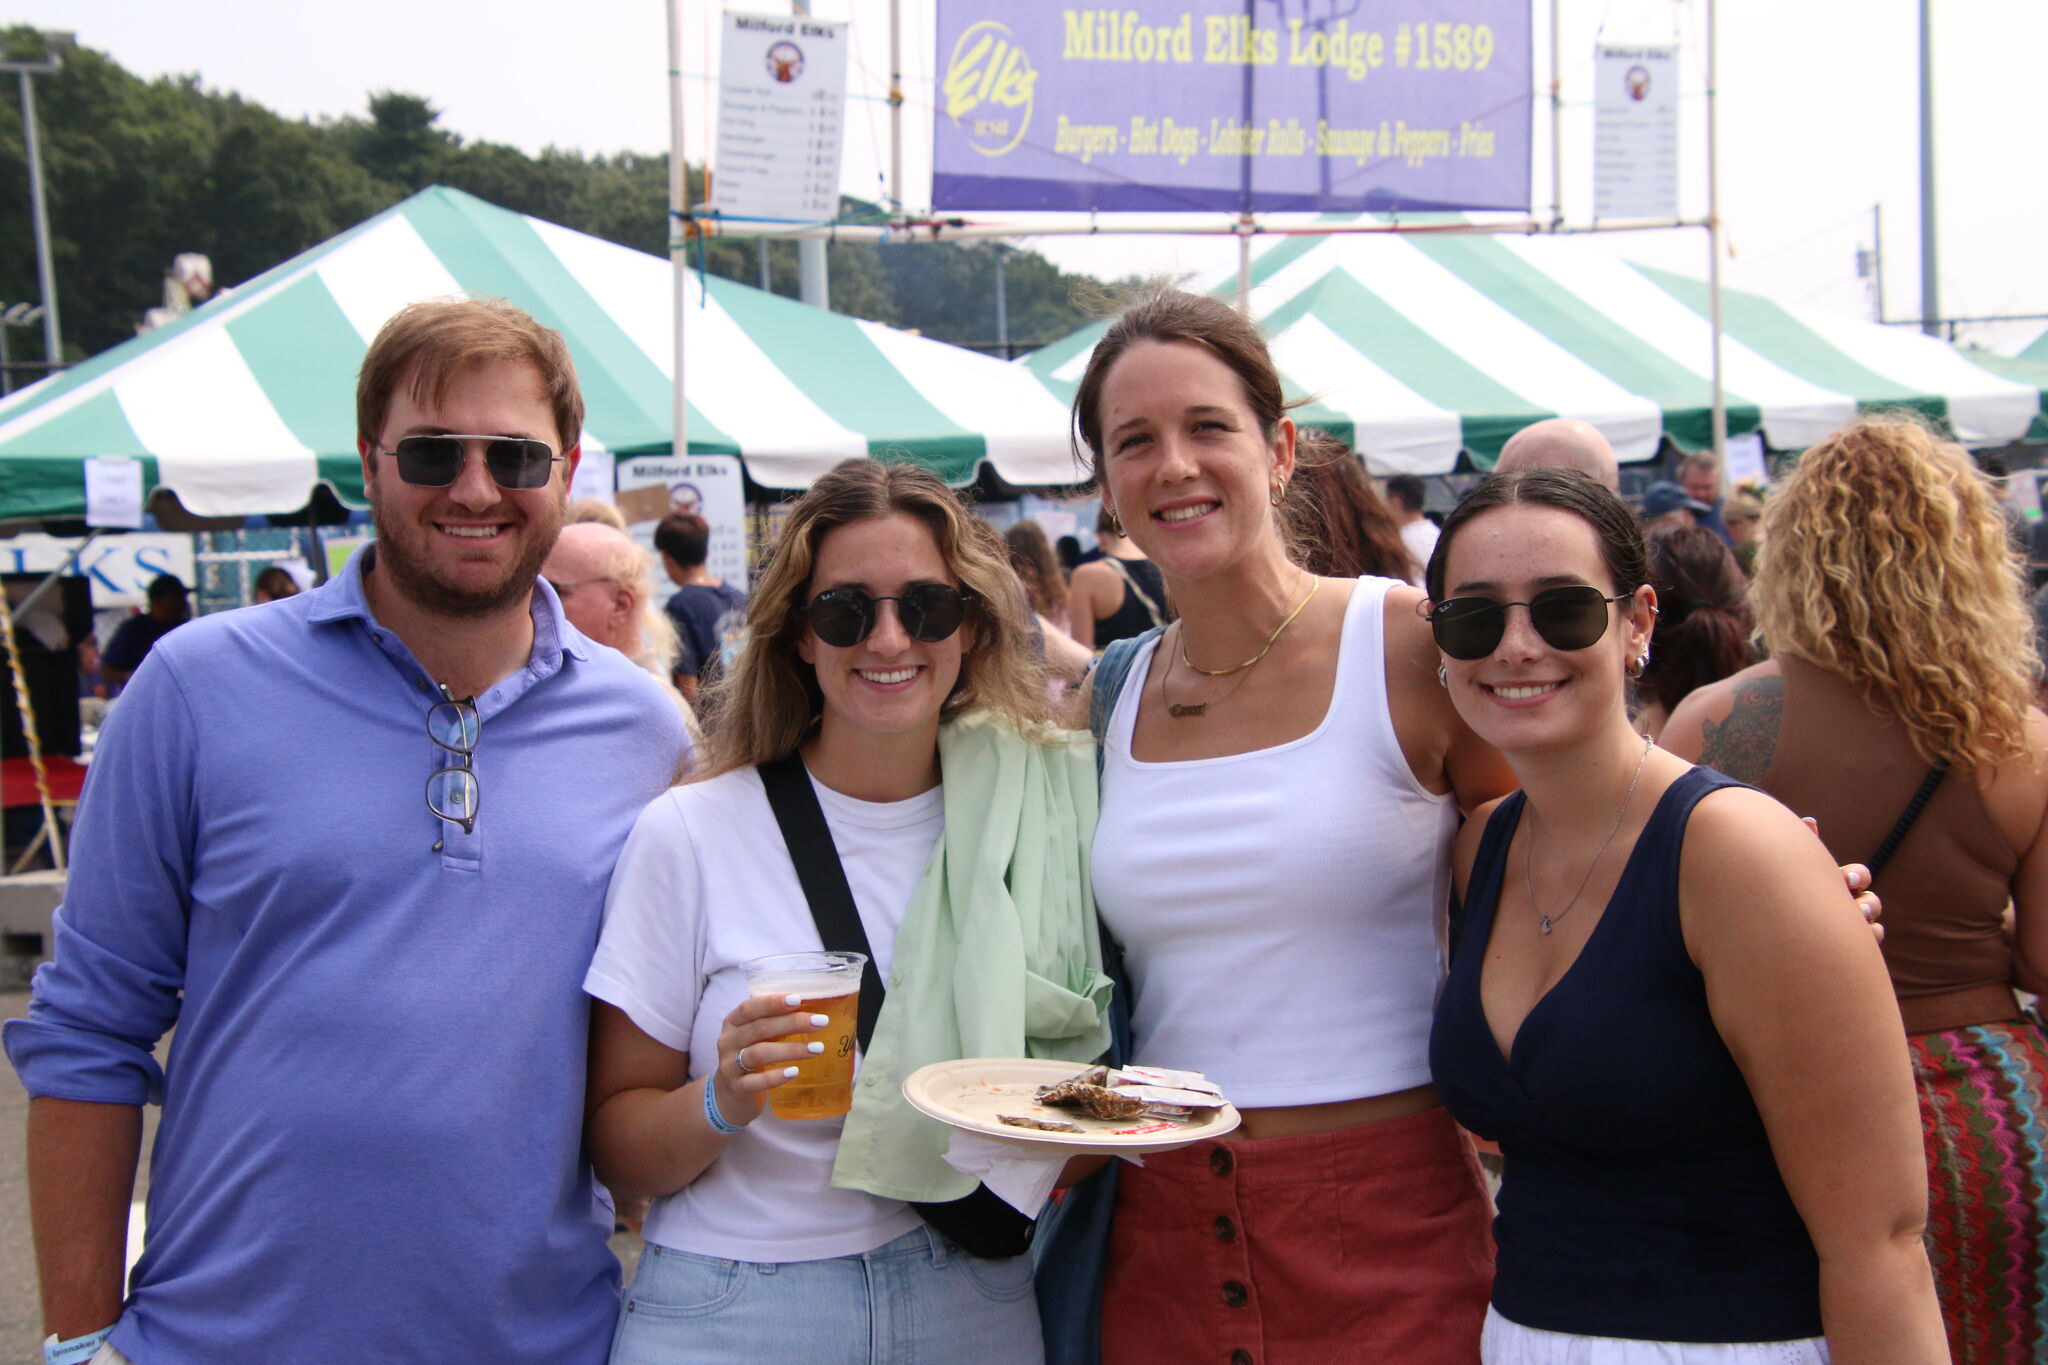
pixel 1562 443
pixel 606 584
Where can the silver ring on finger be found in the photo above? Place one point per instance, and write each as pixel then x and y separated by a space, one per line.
pixel 739 1060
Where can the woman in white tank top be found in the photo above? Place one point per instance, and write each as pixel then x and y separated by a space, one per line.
pixel 1282 778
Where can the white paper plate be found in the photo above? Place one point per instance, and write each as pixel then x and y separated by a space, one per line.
pixel 970 1093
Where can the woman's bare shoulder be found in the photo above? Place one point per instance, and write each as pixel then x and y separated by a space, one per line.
pixel 1732 724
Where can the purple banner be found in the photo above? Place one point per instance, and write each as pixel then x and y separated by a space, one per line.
pixel 1233 105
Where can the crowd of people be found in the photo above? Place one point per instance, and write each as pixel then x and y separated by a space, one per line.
pixel 1407 832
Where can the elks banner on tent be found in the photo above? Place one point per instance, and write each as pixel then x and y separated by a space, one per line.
pixel 1233 105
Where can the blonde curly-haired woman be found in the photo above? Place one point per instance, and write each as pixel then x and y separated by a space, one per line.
pixel 1896 709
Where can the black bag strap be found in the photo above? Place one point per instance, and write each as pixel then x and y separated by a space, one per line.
pixel 816 859
pixel 1907 818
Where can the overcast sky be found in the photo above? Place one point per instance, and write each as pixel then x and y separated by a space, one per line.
pixel 1819 115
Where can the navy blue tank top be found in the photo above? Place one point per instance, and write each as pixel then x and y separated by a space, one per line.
pixel 1640 1198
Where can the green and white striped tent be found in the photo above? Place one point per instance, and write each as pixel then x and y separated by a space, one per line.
pixel 245 404
pixel 1415 348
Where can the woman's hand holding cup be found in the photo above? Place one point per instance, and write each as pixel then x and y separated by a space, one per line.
pixel 750 1060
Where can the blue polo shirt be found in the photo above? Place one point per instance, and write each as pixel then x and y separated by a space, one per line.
pixel 370 1147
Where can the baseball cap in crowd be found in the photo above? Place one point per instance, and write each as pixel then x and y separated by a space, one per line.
pixel 1664 496
pixel 167 585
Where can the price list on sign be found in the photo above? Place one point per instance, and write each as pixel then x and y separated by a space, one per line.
pixel 781 114
pixel 1635 132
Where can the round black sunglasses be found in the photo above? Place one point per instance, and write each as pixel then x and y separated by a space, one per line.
pixel 930 612
pixel 1567 618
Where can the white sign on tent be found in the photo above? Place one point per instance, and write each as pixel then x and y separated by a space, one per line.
pixel 781 111
pixel 1635 132
pixel 653 486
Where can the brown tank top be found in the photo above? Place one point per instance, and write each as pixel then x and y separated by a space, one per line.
pixel 1945 890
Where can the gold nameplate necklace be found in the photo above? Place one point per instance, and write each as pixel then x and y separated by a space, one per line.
pixel 1182 711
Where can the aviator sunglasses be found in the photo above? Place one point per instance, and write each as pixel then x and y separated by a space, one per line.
pixel 930 612
pixel 1567 618
pixel 515 462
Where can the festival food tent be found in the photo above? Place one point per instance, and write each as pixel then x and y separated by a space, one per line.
pixel 246 405
pixel 1418 347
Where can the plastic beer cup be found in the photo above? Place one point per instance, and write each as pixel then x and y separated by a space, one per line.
pixel 827 984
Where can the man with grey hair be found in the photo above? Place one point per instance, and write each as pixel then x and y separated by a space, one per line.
pixel 606 585
pixel 1562 443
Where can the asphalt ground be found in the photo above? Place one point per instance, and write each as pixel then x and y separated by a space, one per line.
pixel 21 1333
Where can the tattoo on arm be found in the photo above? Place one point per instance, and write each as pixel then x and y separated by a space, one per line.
pixel 1743 745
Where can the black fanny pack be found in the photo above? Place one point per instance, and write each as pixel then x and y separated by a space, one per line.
pixel 981 1223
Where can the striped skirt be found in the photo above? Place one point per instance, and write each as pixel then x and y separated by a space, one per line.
pixel 1984 1114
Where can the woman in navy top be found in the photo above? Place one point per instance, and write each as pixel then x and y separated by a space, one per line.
pixel 1685 1047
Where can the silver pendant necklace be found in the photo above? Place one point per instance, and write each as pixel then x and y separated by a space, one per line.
pixel 1543 921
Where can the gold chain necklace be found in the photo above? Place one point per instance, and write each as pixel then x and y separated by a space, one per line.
pixel 1529 859
pixel 1183 711
pixel 1313 584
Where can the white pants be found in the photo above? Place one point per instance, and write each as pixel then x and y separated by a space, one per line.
pixel 1510 1343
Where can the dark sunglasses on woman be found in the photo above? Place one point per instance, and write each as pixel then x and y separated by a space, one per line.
pixel 1567 618
pixel 515 462
pixel 930 612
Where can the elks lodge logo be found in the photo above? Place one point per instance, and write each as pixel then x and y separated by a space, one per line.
pixel 989 86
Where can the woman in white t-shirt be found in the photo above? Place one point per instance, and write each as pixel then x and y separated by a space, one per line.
pixel 885 610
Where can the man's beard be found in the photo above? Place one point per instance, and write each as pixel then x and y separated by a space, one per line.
pixel 417 583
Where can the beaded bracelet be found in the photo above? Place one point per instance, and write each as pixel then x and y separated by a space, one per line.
pixel 711 1114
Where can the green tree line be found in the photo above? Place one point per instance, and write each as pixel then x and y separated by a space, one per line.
pixel 136 171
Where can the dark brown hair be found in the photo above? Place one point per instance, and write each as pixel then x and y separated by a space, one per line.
pixel 1341 524
pixel 1614 525
pixel 684 537
pixel 425 345
pixel 1703 621
pixel 1032 557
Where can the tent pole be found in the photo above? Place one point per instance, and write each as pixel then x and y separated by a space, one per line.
pixel 1556 124
pixel 1244 265
pixel 678 246
pixel 25 709
pixel 896 106
pixel 1714 263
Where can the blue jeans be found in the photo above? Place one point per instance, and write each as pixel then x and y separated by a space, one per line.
pixel 918 1300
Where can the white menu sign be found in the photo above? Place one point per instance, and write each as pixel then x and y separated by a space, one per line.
pixel 712 486
pixel 1635 132
pixel 781 110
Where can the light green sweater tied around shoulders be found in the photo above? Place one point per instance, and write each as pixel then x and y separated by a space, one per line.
pixel 997 955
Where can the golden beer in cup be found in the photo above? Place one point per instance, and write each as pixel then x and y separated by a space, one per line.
pixel 827 984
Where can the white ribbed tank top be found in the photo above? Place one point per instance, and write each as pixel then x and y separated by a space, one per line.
pixel 1282 912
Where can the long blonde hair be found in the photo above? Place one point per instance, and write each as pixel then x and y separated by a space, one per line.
pixel 1886 561
pixel 763 706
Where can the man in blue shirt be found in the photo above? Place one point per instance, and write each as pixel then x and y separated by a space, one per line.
pixel 705 608
pixel 329 840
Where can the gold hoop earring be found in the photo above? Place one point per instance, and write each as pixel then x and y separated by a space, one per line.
pixel 1443 676
pixel 1279 493
pixel 1116 524
pixel 1639 665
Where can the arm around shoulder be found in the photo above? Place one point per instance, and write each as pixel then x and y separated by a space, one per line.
pixel 1800 995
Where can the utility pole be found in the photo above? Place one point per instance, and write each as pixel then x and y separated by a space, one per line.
pixel 1930 268
pixel 52 62
pixel 814 280
pixel 1002 251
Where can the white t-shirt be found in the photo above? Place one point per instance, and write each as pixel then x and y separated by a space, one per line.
pixel 705 883
pixel 1420 538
